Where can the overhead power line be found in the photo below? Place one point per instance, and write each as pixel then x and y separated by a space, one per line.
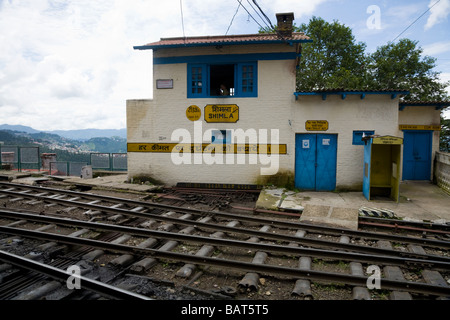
pixel 250 15
pixel 182 18
pixel 416 20
pixel 232 19
pixel 265 16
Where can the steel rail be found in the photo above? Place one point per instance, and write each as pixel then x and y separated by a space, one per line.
pixel 224 215
pixel 296 273
pixel 220 242
pixel 249 232
pixel 104 289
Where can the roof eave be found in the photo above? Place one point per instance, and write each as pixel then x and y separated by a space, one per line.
pixel 344 93
pixel 220 43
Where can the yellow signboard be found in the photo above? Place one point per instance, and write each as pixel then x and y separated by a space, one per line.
pixel 193 113
pixel 208 148
pixel 316 125
pixel 387 140
pixel 221 113
pixel 419 127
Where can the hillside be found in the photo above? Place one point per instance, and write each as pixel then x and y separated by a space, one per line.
pixel 66 149
pixel 81 135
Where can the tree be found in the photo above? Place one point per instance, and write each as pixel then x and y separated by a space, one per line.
pixel 402 66
pixel 444 143
pixel 333 60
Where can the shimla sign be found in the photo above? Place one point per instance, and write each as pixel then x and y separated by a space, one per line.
pixel 215 113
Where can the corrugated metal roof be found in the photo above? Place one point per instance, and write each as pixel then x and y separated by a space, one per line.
pixel 296 37
pixel 437 104
pixel 424 103
pixel 356 91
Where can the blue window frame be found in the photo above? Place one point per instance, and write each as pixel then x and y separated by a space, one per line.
pixel 221 136
pixel 241 79
pixel 197 79
pixel 358 135
pixel 247 80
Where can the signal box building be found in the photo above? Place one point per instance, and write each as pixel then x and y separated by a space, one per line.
pixel 225 110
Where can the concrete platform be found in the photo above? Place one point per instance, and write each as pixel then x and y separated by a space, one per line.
pixel 118 181
pixel 419 201
pixel 11 175
pixel 333 216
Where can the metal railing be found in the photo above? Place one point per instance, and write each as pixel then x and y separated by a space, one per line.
pixel 18 158
pixel 109 161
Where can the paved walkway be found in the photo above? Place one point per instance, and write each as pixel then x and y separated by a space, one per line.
pixel 419 200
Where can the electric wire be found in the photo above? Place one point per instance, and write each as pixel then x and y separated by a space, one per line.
pixel 416 20
pixel 265 16
pixel 182 18
pixel 250 15
pixel 232 19
pixel 248 1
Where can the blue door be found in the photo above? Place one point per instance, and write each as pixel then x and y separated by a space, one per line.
pixel 417 155
pixel 315 161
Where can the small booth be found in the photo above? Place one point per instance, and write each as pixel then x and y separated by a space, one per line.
pixel 382 156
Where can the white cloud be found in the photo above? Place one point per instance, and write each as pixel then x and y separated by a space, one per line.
pixel 436 48
pixel 438 12
pixel 70 64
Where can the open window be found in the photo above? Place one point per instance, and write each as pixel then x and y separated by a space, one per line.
pixel 222 80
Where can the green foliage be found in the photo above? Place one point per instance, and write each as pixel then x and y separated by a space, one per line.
pixel 106 145
pixel 444 143
pixel 401 66
pixel 333 60
pixel 282 179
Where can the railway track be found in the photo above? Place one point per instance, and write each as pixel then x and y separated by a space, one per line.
pixel 163 251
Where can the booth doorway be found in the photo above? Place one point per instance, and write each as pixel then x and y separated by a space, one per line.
pixel 315 161
pixel 417 155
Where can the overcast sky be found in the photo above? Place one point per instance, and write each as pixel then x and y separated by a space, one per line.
pixel 70 64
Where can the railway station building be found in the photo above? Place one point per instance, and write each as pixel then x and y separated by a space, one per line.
pixel 225 110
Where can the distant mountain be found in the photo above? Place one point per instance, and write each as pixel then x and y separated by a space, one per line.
pixel 18 128
pixel 86 134
pixel 66 148
pixel 83 134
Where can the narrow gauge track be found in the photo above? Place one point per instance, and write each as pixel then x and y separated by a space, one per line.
pixel 339 250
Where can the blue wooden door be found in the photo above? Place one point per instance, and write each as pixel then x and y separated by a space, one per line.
pixel 417 155
pixel 305 160
pixel 315 161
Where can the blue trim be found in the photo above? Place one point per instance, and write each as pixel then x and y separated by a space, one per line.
pixel 251 89
pixel 218 43
pixel 238 81
pixel 343 94
pixel 227 58
pixel 193 86
pixel 437 105
pixel 357 136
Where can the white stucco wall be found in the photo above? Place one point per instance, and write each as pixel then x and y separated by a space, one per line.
pixel 374 112
pixel 152 121
pixel 155 121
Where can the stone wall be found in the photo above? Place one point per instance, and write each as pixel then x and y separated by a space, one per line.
pixel 442 170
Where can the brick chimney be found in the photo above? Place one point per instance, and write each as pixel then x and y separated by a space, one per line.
pixel 285 23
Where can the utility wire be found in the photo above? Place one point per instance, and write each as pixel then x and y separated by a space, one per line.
pixel 232 19
pixel 416 20
pixel 240 3
pixel 182 19
pixel 248 1
pixel 265 16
